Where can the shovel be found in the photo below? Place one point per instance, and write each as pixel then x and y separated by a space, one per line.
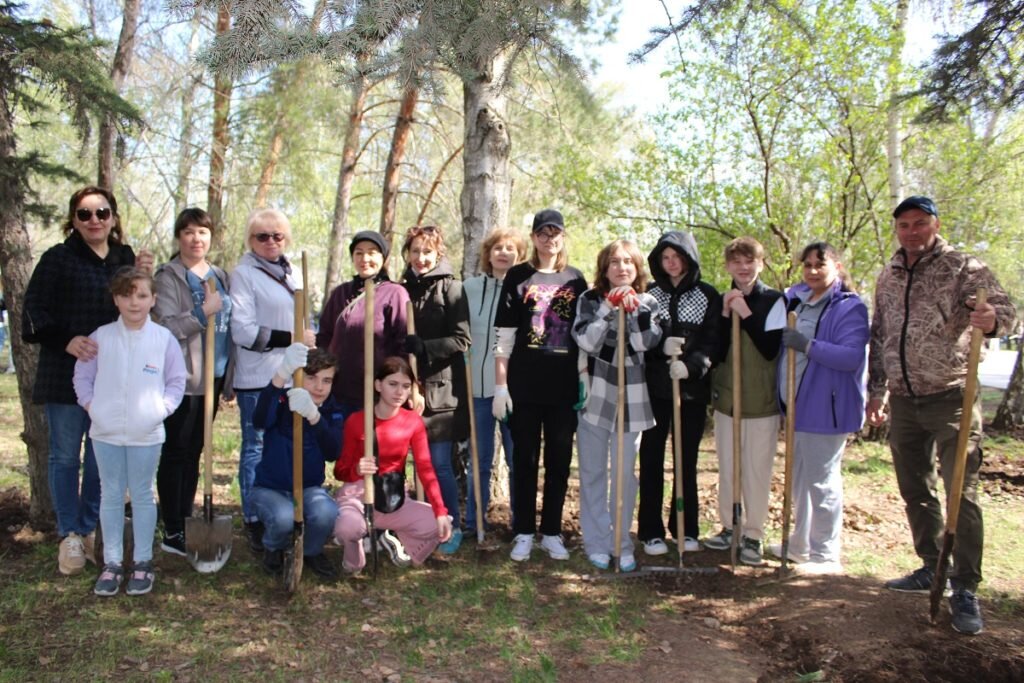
pixel 737 436
pixel 956 488
pixel 787 485
pixel 208 538
pixel 474 451
pixel 677 457
pixel 620 434
pixel 293 556
pixel 368 429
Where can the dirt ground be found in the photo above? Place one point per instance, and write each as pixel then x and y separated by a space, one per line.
pixel 747 626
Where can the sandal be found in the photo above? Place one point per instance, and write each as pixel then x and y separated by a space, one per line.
pixel 141 580
pixel 110 580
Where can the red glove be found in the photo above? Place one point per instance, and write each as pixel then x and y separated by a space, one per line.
pixel 624 296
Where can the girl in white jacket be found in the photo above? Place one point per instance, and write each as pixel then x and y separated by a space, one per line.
pixel 136 380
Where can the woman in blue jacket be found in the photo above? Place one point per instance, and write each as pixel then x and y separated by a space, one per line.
pixel 830 339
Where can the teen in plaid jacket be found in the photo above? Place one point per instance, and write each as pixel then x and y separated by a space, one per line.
pixel 619 281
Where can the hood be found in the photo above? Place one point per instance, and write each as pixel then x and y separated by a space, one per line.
pixel 443 269
pixel 683 243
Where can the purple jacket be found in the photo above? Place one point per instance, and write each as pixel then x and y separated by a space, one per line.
pixel 831 395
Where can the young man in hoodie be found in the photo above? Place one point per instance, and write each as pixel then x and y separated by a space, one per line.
pixel 689 309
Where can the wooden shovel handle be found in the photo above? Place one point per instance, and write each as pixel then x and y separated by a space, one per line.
pixel 787 485
pixel 208 396
pixel 297 381
pixel 620 432
pixel 368 324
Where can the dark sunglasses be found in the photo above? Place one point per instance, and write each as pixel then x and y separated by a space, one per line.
pixel 85 215
pixel 267 236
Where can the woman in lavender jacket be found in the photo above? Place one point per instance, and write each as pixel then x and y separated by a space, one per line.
pixel 830 339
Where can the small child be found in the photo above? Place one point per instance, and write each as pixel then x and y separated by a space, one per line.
pixel 321 430
pixel 419 526
pixel 762 312
pixel 135 381
pixel 619 282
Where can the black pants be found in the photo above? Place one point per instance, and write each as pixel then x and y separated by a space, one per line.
pixel 652 470
pixel 177 477
pixel 558 424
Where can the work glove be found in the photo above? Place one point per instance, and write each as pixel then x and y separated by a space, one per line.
pixel 673 345
pixel 624 296
pixel 583 392
pixel 501 406
pixel 294 359
pixel 299 401
pixel 414 345
pixel 677 369
pixel 794 339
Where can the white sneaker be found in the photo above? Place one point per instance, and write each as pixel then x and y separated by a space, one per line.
pixel 71 555
pixel 627 563
pixel 656 546
pixel 691 545
pixel 823 568
pixel 522 545
pixel 775 550
pixel 600 560
pixel 554 547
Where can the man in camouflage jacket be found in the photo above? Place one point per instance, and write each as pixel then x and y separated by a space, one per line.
pixel 920 334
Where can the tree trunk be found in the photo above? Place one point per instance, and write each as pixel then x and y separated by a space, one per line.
pixel 188 98
pixel 16 266
pixel 218 150
pixel 118 73
pixel 1011 409
pixel 487 188
pixel 271 160
pixel 393 169
pixel 346 177
pixel 893 129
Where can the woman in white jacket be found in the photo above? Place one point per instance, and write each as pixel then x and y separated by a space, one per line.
pixel 135 381
pixel 263 297
pixel 501 249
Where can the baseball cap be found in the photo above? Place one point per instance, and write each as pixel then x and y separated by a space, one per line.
pixel 916 202
pixel 548 217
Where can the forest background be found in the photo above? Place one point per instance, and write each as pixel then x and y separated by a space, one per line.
pixel 787 120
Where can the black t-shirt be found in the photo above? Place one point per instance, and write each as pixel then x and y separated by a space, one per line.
pixel 542 308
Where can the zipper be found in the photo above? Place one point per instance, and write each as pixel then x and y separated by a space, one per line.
pixel 835 420
pixel 903 331
pixel 490 331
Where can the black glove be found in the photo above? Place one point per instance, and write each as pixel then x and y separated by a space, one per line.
pixel 414 345
pixel 795 339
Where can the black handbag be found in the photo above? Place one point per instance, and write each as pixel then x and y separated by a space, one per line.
pixel 388 491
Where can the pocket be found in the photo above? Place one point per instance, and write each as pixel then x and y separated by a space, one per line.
pixel 440 396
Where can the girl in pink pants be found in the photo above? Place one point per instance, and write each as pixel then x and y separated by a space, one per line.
pixel 419 526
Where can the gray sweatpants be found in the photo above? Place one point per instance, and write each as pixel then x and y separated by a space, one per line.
pixel 597 502
pixel 817 496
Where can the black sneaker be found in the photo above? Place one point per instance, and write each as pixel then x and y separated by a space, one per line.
pixel 174 544
pixel 917 581
pixel 273 561
pixel 966 612
pixel 321 565
pixel 254 533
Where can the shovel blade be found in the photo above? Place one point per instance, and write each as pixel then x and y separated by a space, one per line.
pixel 208 544
pixel 293 563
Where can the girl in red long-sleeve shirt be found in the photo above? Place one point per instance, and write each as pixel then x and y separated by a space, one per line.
pixel 419 526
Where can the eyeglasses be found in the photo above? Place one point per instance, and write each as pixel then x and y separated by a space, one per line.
pixel 548 236
pixel 265 237
pixel 422 230
pixel 85 215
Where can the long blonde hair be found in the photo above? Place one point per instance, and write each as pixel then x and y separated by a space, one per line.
pixel 494 237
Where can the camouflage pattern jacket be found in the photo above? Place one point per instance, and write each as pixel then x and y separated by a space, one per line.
pixel 920 332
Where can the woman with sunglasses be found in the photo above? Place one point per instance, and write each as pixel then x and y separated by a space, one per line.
pixel 67 298
pixel 501 249
pixel 262 317
pixel 442 337
pixel 536 380
pixel 185 308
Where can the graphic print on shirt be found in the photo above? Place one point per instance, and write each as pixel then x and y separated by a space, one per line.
pixel 551 310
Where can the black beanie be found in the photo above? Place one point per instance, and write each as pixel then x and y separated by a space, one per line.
pixel 369 236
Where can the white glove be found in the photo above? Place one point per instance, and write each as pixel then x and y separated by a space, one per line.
pixel 501 406
pixel 673 345
pixel 294 358
pixel 299 401
pixel 677 369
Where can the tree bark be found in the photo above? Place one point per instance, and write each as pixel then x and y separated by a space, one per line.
pixel 893 118
pixel 118 73
pixel 188 98
pixel 346 177
pixel 1011 409
pixel 393 169
pixel 16 267
pixel 487 187
pixel 219 146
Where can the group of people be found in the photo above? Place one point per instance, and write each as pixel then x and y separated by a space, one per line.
pixel 122 356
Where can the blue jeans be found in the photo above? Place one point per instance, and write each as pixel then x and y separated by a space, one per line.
pixel 485 423
pixel 132 468
pixel 441 459
pixel 251 453
pixel 277 512
pixel 77 512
